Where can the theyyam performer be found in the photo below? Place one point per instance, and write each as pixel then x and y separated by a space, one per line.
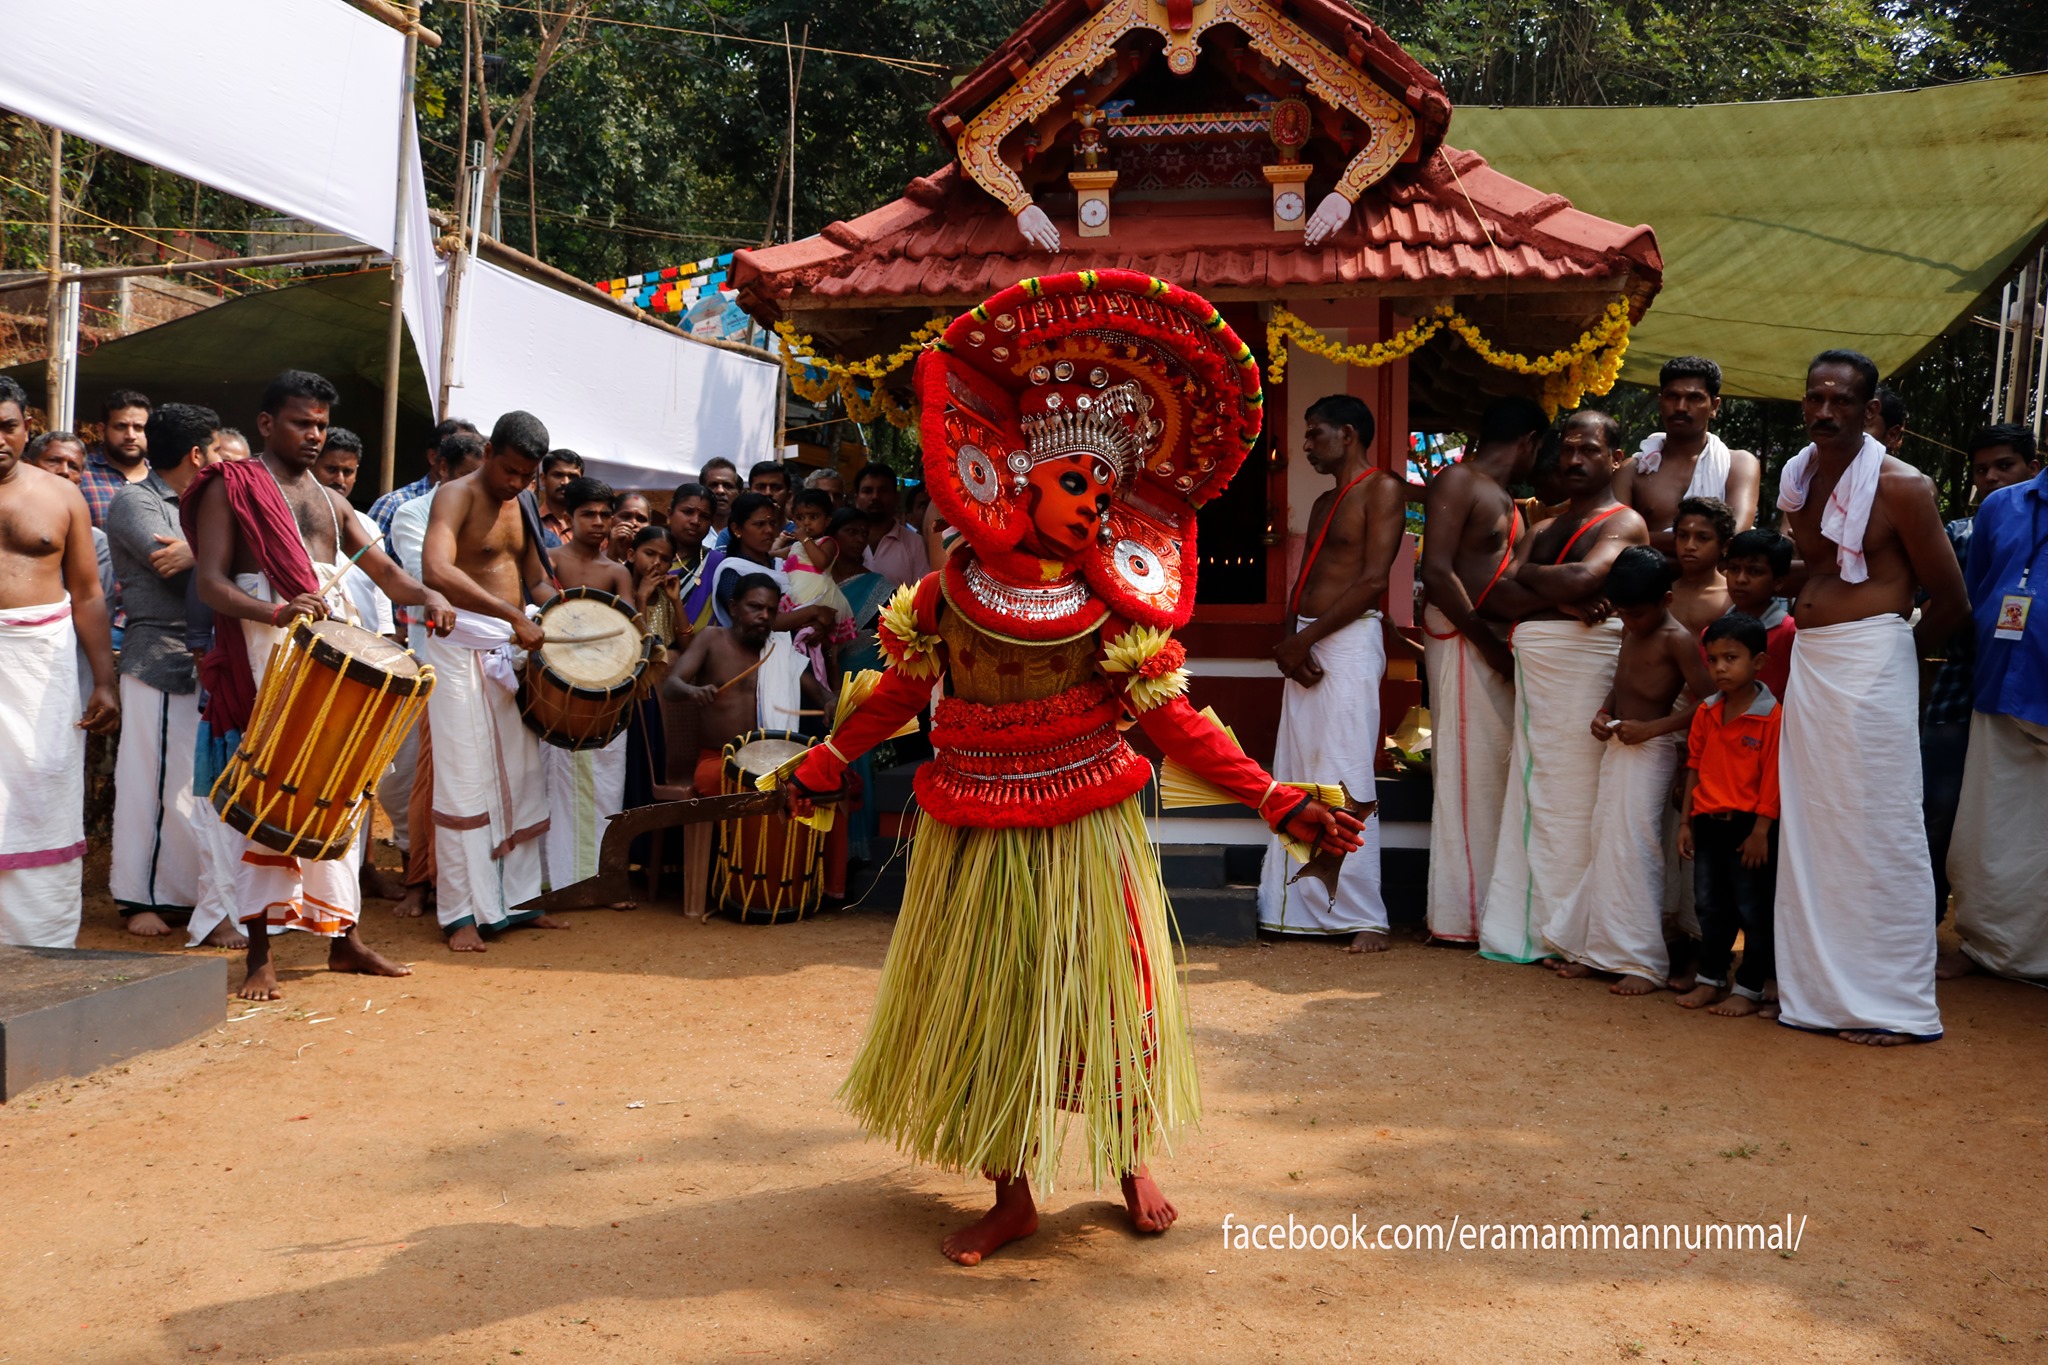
pixel 1072 427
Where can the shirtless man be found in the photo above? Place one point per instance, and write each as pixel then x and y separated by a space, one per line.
pixel 1686 459
pixel 1469 539
pixel 490 787
pixel 46 557
pixel 718 670
pixel 1854 942
pixel 1333 658
pixel 1565 648
pixel 586 787
pixel 257 576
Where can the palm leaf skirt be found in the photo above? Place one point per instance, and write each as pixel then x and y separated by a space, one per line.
pixel 1031 981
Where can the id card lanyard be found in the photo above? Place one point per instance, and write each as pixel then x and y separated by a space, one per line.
pixel 2016 605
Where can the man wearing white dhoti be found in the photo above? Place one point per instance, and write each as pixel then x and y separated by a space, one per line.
pixel 1565 646
pixel 1334 657
pixel 1998 863
pixel 1686 459
pixel 50 601
pixel 269 541
pixel 490 790
pixel 1854 941
pixel 153 870
pixel 1471 533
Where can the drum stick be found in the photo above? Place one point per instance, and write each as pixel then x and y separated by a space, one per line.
pixel 590 637
pixel 332 576
pixel 749 669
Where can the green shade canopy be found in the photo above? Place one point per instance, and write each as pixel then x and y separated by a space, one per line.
pixel 223 356
pixel 1873 222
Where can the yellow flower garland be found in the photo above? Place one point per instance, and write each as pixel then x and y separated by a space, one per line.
pixel 800 357
pixel 1589 365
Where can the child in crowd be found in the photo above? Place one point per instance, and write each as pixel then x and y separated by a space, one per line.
pixel 656 591
pixel 1756 567
pixel 1613 921
pixel 581 561
pixel 1700 539
pixel 1730 817
pixel 813 551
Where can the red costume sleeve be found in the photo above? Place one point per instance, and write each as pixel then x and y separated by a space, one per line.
pixel 1189 739
pixel 895 699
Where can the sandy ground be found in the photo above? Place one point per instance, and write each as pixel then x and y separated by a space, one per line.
pixel 619 1143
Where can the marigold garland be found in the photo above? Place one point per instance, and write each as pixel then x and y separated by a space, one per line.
pixel 800 358
pixel 1589 365
pixel 912 652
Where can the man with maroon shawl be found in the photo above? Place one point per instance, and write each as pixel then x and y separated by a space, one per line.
pixel 258 529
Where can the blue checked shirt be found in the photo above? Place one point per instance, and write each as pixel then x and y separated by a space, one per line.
pixel 102 481
pixel 382 509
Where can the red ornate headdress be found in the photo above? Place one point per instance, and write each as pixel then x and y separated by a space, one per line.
pixel 1141 377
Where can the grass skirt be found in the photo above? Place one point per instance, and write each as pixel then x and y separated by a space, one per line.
pixel 1031 980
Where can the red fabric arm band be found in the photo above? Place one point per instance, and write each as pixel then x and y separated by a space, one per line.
pixel 895 699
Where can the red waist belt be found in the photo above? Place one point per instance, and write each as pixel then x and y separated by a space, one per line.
pixel 1029 764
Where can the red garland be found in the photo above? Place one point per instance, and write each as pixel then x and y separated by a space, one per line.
pixel 961 724
pixel 1165 661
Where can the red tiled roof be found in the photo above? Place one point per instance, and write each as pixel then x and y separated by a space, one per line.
pixel 1452 225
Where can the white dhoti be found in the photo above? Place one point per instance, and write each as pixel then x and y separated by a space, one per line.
pixel 1614 919
pixel 1471 711
pixel 490 785
pixel 586 788
pixel 1562 672
pixel 155 856
pixel 1998 862
pixel 313 895
pixel 1331 733
pixel 1854 940
pixel 42 779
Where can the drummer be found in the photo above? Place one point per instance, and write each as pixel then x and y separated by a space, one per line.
pixel 718 671
pixel 269 543
pixel 586 787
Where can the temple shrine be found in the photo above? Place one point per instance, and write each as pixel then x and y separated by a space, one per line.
pixel 1271 155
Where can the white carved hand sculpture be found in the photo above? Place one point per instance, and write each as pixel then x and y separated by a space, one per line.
pixel 1330 215
pixel 1039 231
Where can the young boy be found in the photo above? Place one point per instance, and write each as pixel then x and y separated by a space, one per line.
pixel 1756 565
pixel 1700 539
pixel 583 560
pixel 1613 920
pixel 586 787
pixel 1730 817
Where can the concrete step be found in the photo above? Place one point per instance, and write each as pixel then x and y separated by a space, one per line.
pixel 68 1012
pixel 1194 866
pixel 1219 915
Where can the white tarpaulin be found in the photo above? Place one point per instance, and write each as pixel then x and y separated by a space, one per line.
pixel 292 104
pixel 644 407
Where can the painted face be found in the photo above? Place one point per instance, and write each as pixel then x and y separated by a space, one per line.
pixel 1069 498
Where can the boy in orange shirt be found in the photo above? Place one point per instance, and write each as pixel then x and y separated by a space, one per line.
pixel 1729 821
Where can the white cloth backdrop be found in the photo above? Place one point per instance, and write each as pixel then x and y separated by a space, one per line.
pixel 642 406
pixel 293 104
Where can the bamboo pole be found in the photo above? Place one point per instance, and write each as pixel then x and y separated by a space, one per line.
pixel 103 274
pixel 394 340
pixel 402 20
pixel 54 265
pixel 451 299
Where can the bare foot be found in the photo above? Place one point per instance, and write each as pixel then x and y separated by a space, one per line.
pixel 1870 1038
pixel 1013 1216
pixel 625 905
pixel 1767 1008
pixel 1572 971
pixel 466 940
pixel 1681 981
pixel 260 983
pixel 412 904
pixel 1366 941
pixel 1736 1007
pixel 1150 1210
pixel 1630 984
pixel 225 935
pixel 1949 963
pixel 380 885
pixel 1698 996
pixel 147 924
pixel 549 922
pixel 349 954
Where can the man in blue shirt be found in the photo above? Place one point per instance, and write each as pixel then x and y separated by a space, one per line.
pixel 385 507
pixel 1998 861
